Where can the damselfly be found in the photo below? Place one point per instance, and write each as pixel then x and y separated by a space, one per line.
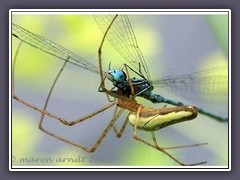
pixel 125 91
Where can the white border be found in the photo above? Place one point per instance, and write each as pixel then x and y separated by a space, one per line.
pixel 120 11
pixel 119 168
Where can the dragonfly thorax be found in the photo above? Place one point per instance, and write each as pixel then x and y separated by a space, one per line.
pixel 140 86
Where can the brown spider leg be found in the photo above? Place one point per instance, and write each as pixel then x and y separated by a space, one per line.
pixel 43 111
pixel 155 145
pixel 102 85
pixel 13 68
pixel 120 132
pixel 23 101
pixel 162 149
pixel 99 140
pixel 186 146
pixel 50 92
pixel 108 96
pixel 176 147
pixel 62 120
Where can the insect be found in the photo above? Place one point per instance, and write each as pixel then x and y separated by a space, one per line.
pixel 125 92
pixel 144 85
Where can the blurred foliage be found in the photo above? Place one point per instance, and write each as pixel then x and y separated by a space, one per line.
pixel 24 137
pixel 219 26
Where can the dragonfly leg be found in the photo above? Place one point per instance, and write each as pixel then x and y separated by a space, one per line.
pixel 130 82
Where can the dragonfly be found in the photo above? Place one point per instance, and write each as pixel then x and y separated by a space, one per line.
pixel 128 48
pixel 125 90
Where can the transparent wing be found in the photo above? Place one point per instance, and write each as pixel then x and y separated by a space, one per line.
pixel 51 47
pixel 122 38
pixel 209 85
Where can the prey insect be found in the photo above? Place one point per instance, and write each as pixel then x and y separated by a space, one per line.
pixel 124 41
pixel 140 117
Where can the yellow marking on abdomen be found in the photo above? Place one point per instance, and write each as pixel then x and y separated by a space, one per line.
pixel 158 121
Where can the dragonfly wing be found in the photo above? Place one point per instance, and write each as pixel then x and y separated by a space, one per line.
pixel 209 85
pixel 123 39
pixel 52 48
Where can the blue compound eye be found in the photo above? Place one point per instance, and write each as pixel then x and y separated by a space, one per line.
pixel 118 75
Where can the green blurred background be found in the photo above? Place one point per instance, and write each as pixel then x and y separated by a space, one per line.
pixel 171 45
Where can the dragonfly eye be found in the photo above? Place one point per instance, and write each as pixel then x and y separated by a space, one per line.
pixel 118 76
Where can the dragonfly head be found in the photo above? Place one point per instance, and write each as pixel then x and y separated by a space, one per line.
pixel 116 76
